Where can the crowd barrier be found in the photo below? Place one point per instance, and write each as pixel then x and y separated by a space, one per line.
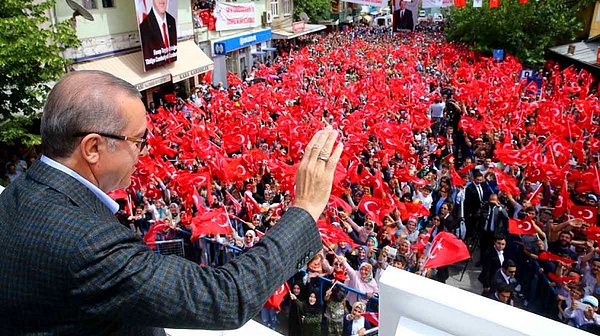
pixel 539 296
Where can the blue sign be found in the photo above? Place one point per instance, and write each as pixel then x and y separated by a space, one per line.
pixel 498 55
pixel 223 47
pixel 527 74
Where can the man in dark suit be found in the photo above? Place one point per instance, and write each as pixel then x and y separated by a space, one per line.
pixel 402 18
pixel 158 33
pixel 493 220
pixel 491 262
pixel 475 195
pixel 68 267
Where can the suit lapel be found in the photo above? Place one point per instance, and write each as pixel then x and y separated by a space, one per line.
pixel 69 186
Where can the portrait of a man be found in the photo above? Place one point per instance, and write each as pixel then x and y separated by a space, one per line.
pixel 158 33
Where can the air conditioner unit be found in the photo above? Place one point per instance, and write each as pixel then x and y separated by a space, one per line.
pixel 266 18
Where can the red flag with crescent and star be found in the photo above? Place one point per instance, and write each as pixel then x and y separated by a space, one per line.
pixel 446 249
pixel 211 222
pixel 587 213
pixel 521 226
pixel 275 300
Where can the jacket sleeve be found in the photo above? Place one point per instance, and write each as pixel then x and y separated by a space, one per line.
pixel 116 276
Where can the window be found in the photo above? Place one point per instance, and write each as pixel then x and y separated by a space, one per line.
pixel 274 8
pixel 108 3
pixel 90 4
pixel 287 8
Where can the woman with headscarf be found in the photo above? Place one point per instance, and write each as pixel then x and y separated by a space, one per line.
pixel 361 280
pixel 311 313
pixel 355 323
pixel 295 311
pixel 360 255
pixel 335 310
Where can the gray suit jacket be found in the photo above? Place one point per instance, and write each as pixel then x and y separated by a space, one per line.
pixel 68 267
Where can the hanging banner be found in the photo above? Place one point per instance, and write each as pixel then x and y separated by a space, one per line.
pixel 158 31
pixel 432 3
pixel 477 3
pixel 447 3
pixel 231 15
pixel 372 3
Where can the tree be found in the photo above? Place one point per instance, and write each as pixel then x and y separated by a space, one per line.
pixel 31 59
pixel 523 30
pixel 315 9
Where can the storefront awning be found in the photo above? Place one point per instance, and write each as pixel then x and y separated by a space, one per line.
pixel 130 68
pixel 191 61
pixel 289 34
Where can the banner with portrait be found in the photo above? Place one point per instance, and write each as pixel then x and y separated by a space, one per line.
pixel 157 24
pixel 231 15
pixel 372 3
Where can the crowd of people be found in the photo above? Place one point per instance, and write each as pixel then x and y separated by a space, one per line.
pixel 437 139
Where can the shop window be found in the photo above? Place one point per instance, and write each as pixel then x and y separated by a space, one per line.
pixel 108 3
pixel 274 8
pixel 90 4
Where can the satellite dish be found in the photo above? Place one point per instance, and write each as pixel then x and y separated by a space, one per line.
pixel 79 10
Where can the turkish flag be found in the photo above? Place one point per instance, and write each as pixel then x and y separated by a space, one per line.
pixel 336 202
pixel 332 234
pixel 371 206
pixel 563 279
pixel 275 300
pixel 553 257
pixel 236 204
pixel 150 236
pixel 446 249
pixel 211 222
pixel 593 233
pixel 460 3
pixel 494 3
pixel 588 213
pixel 522 2
pixel 521 226
pixel 251 203
pixel 198 201
pixel 415 210
pixel 563 202
pixel 457 181
pixel 118 194
pixel 372 317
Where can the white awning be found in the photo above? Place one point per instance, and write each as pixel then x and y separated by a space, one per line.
pixel 289 34
pixel 191 61
pixel 130 68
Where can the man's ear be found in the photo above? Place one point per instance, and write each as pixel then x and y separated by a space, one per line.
pixel 90 146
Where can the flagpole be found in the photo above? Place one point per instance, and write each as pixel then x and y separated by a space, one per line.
pixel 534 193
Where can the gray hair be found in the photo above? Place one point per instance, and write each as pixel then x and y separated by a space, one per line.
pixel 82 102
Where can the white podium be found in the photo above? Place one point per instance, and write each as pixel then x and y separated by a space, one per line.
pixel 413 305
pixel 250 328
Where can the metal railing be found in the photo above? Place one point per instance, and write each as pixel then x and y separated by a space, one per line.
pixel 169 247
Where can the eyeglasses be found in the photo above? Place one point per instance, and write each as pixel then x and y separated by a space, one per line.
pixel 338 264
pixel 139 142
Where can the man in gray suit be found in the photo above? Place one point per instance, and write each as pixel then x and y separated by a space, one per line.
pixel 67 267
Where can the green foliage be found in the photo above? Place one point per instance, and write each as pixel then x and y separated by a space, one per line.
pixel 523 30
pixel 315 9
pixel 30 59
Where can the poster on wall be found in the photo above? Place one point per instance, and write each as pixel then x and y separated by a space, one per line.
pixel 158 31
pixel 231 15
pixel 432 3
pixel 372 3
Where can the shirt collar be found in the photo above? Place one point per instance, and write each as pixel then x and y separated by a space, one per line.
pixel 103 197
pixel 159 20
